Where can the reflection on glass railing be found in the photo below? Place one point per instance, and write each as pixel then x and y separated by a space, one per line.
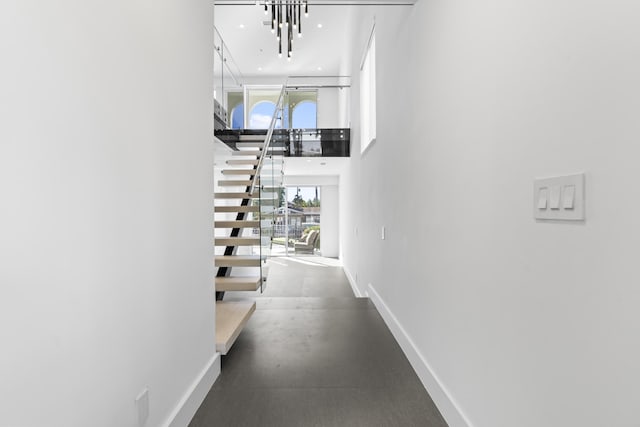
pixel 267 184
pixel 270 189
pixel 319 142
pixel 226 76
pixel 297 142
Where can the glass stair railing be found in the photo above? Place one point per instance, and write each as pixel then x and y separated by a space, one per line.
pixel 269 183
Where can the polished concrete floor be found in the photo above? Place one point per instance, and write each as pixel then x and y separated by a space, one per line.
pixel 314 355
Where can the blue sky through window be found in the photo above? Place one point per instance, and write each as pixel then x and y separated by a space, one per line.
pixel 304 115
pixel 307 193
pixel 261 114
pixel 237 117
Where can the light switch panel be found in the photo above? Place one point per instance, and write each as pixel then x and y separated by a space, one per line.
pixel 559 198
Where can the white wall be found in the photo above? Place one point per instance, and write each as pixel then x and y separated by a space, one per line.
pixel 522 323
pixel 329 242
pixel 344 102
pixel 328 108
pixel 106 169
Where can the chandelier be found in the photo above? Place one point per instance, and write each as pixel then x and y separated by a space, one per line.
pixel 286 17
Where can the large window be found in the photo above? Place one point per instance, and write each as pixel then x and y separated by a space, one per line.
pixel 254 108
pixel 237 117
pixel 261 114
pixel 235 105
pixel 368 94
pixel 260 104
pixel 294 222
pixel 303 104
pixel 304 116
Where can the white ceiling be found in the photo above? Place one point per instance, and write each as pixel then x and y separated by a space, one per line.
pixel 254 48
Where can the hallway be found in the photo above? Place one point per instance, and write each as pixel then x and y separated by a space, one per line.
pixel 314 355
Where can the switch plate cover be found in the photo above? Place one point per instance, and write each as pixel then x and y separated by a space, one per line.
pixel 565 195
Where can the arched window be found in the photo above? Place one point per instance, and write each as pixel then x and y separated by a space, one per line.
pixel 261 114
pixel 237 117
pixel 304 115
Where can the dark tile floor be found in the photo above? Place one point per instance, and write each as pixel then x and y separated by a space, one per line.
pixel 314 355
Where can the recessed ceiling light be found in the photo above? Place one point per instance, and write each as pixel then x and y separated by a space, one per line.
pixel 319 25
pixel 308 160
pixel 319 68
pixel 241 26
pixel 259 68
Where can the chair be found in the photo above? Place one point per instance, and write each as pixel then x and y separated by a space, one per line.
pixel 306 244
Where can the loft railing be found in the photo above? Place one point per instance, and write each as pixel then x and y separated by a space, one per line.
pixel 298 142
pixel 226 75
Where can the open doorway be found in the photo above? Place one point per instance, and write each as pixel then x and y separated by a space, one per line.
pixel 297 222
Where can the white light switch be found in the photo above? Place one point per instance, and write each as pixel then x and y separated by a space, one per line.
pixel 554 197
pixel 559 198
pixel 568 195
pixel 542 198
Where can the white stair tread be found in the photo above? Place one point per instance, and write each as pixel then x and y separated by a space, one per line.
pixel 235 182
pixel 255 153
pixel 237 261
pixel 231 318
pixel 250 172
pixel 224 284
pixel 252 144
pixel 237 224
pixel 254 208
pixel 237 241
pixel 235 195
pixel 243 162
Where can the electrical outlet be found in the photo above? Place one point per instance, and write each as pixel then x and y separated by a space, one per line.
pixel 142 405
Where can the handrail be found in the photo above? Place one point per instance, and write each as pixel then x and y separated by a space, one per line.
pixel 226 53
pixel 267 141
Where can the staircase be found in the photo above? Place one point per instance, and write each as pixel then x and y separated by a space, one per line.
pixel 243 224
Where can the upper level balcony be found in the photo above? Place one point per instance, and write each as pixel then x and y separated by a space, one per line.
pixel 296 142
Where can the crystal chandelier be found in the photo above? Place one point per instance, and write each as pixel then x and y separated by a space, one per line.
pixel 286 17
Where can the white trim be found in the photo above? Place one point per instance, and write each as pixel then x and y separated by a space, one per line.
pixel 369 145
pixel 352 282
pixel 366 48
pixel 183 413
pixel 368 90
pixel 449 408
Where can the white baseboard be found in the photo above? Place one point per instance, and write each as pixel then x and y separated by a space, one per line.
pixel 353 284
pixel 447 405
pixel 193 398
